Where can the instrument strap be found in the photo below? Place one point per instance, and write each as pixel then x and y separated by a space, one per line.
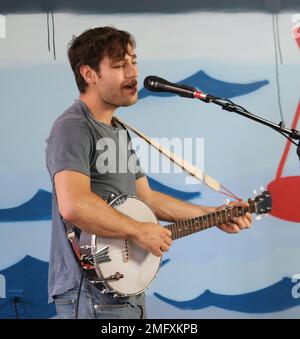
pixel 191 169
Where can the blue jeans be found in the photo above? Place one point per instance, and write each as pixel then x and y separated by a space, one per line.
pixel 94 305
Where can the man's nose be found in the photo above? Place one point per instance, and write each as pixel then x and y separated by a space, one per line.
pixel 132 71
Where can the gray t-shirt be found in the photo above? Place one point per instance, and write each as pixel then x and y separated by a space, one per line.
pixel 79 143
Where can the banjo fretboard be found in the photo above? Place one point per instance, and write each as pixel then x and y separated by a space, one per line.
pixel 186 227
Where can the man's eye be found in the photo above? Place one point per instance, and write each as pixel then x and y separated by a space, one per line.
pixel 118 66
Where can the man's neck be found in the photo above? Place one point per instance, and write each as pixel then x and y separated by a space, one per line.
pixel 101 112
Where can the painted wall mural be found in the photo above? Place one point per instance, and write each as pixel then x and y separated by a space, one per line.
pixel 250 55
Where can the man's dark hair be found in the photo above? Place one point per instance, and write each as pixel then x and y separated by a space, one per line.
pixel 93 45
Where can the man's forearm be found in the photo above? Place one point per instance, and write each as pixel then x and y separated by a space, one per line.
pixel 170 209
pixel 93 215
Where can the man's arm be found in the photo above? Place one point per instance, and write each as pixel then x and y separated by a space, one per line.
pixel 170 209
pixel 80 206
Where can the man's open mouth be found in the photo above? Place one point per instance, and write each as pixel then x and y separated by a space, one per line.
pixel 131 85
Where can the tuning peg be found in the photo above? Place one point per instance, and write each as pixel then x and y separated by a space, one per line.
pixel 258 217
pixel 255 192
pixel 226 201
pixel 262 188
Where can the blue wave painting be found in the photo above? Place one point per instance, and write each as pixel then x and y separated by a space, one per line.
pixel 274 298
pixel 212 86
pixel 27 280
pixel 157 186
pixel 39 206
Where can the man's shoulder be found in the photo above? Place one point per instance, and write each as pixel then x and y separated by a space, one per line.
pixel 72 118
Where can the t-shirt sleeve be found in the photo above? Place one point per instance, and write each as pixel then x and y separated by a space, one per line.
pixel 68 148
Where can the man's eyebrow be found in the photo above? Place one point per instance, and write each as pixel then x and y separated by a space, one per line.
pixel 113 61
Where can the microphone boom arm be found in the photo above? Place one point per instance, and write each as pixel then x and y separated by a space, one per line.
pixel 230 106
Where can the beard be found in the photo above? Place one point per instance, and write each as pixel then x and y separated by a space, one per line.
pixel 124 98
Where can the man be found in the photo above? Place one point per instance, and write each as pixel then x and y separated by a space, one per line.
pixel 104 64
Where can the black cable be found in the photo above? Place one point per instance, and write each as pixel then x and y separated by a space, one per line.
pixel 53 35
pixel 134 306
pixel 276 65
pixel 235 105
pixel 142 311
pixel 15 302
pixel 78 295
pixel 48 32
pixel 278 38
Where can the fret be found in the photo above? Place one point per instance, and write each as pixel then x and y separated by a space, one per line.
pixel 219 217
pixel 183 227
pixel 195 225
pixel 224 216
pixel 179 229
pixel 173 230
pixel 215 219
pixel 188 226
pixel 176 231
pixel 210 220
pixel 175 235
pixel 191 226
pixel 230 214
pixel 192 229
pixel 198 222
pixel 205 223
pixel 240 211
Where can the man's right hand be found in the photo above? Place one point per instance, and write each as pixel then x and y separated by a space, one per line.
pixel 153 238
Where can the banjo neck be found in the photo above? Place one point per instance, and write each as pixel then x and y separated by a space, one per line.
pixel 186 227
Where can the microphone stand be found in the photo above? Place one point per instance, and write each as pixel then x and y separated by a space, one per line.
pixel 228 105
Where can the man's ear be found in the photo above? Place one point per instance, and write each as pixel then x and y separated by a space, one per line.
pixel 88 74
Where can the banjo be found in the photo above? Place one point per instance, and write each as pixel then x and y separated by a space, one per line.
pixel 122 268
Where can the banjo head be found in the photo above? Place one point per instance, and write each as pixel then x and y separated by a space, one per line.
pixel 136 266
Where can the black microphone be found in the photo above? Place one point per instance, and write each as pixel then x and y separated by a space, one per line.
pixel 156 84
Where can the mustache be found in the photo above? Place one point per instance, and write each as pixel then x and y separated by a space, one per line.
pixel 131 83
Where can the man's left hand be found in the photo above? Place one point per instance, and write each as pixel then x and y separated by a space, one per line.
pixel 238 223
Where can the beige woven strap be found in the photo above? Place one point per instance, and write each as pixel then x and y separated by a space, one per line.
pixel 195 172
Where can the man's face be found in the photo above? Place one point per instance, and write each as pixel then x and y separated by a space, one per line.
pixel 117 80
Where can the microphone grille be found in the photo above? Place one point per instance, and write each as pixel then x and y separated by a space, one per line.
pixel 152 82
